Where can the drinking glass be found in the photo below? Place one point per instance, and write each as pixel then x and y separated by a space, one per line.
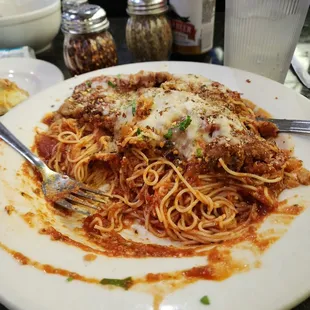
pixel 261 35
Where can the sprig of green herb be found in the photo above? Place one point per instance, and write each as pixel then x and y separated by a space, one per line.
pixel 199 152
pixel 124 283
pixel 139 131
pixel 205 300
pixel 184 124
pixel 168 135
pixel 69 279
pixel 88 83
pixel 111 84
pixel 134 107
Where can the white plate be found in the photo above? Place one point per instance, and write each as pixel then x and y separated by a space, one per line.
pixel 280 282
pixel 33 75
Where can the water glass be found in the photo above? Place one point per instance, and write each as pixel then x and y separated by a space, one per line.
pixel 261 35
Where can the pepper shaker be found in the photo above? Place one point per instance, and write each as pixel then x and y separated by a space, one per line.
pixel 148 30
pixel 88 45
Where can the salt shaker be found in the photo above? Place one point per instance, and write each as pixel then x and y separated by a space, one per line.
pixel 148 30
pixel 88 45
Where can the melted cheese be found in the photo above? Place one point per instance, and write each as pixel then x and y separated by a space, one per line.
pixel 167 108
pixel 102 84
pixel 172 107
pixel 226 127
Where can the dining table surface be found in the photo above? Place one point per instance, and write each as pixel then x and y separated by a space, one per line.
pixel 54 55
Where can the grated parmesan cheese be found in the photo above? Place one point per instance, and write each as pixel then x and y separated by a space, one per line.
pixel 172 107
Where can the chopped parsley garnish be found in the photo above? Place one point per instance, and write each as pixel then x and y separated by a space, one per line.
pixel 69 279
pixel 111 84
pixel 119 76
pixel 124 283
pixel 168 135
pixel 88 83
pixel 205 300
pixel 199 152
pixel 184 124
pixel 134 107
pixel 139 131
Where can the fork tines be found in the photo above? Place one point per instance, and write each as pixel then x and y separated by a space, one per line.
pixel 85 197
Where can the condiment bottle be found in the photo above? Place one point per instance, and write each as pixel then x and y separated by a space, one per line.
pixel 88 45
pixel 192 27
pixel 148 30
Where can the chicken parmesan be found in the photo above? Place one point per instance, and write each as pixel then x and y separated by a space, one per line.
pixel 180 154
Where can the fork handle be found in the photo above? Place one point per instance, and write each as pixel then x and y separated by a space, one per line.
pixel 10 139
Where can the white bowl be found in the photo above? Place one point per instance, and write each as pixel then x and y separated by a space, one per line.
pixel 34 23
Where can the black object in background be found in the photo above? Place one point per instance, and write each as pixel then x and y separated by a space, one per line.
pixel 114 8
pixel 117 8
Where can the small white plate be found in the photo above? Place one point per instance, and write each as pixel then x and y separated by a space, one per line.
pixel 32 75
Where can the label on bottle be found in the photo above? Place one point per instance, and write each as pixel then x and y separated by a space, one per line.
pixel 192 25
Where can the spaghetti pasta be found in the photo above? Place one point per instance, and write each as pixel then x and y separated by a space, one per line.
pixel 189 162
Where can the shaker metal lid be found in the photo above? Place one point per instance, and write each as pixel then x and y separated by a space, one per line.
pixel 72 5
pixel 146 7
pixel 88 18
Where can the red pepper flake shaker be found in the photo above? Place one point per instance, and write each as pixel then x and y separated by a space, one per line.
pixel 88 44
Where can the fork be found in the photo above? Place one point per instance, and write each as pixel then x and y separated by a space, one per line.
pixel 289 126
pixel 58 188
